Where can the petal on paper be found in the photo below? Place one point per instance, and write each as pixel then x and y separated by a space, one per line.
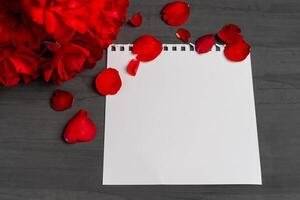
pixel 108 82
pixel 133 66
pixel 230 33
pixel 136 20
pixel 176 13
pixel 237 52
pixel 147 48
pixel 80 128
pixel 205 43
pixel 61 100
pixel 183 35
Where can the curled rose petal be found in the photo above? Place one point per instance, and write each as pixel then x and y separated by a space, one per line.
pixel 237 52
pixel 133 66
pixel 205 43
pixel 80 128
pixel 230 33
pixel 183 35
pixel 136 20
pixel 176 13
pixel 61 100
pixel 147 48
pixel 108 82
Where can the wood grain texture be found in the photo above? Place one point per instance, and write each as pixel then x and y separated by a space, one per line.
pixel 36 164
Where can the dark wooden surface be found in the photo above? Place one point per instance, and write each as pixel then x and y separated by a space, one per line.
pixel 36 164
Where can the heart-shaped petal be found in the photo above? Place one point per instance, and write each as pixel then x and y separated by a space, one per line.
pixel 147 48
pixel 205 43
pixel 61 100
pixel 80 128
pixel 176 13
pixel 108 82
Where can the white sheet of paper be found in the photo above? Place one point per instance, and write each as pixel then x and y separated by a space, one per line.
pixel 184 118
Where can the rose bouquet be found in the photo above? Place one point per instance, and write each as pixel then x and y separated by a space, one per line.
pixel 55 39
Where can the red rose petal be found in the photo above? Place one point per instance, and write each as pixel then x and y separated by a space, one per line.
pixel 204 43
pixel 61 100
pixel 176 13
pixel 133 66
pixel 147 48
pixel 237 52
pixel 183 35
pixel 230 34
pixel 80 128
pixel 108 82
pixel 136 20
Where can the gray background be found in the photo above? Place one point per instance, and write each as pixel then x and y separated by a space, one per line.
pixel 36 164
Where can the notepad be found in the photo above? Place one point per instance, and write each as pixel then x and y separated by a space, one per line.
pixel 184 119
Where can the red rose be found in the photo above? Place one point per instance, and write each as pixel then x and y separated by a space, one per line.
pixel 66 61
pixel 11 5
pixel 15 30
pixel 17 64
pixel 107 18
pixel 89 41
pixel 60 18
pixel 7 24
pixel 68 35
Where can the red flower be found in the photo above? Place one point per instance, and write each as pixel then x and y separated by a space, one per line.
pixel 205 43
pixel 183 35
pixel 72 34
pixel 66 61
pixel 230 34
pixel 61 100
pixel 238 51
pixel 133 66
pixel 17 64
pixel 147 48
pixel 7 24
pixel 107 18
pixel 108 82
pixel 136 20
pixel 176 13
pixel 80 128
pixel 89 41
pixel 18 31
pixel 60 18
pixel 11 5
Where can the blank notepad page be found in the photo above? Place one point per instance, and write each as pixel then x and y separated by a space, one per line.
pixel 184 118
